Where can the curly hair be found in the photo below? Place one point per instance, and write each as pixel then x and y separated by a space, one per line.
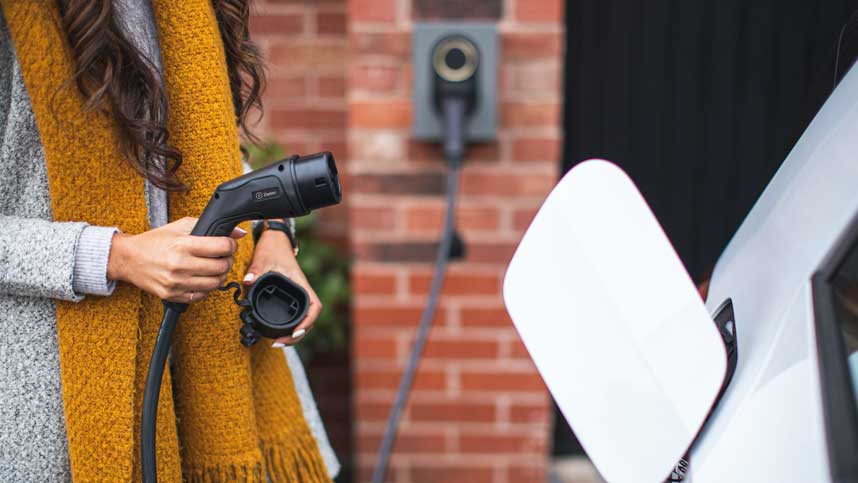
pixel 116 78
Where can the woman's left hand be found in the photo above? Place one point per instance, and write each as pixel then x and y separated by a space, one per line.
pixel 274 254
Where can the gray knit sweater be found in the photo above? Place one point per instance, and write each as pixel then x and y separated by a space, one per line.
pixel 42 260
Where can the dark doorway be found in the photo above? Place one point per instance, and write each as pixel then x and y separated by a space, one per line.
pixel 699 101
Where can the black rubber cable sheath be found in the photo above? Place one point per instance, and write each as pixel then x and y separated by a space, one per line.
pixel 153 391
pixel 454 112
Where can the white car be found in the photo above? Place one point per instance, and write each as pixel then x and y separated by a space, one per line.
pixel 653 388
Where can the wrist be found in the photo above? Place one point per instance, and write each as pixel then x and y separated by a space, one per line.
pixel 116 262
pixel 286 231
pixel 276 235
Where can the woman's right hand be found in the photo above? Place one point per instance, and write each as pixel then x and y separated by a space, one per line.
pixel 170 263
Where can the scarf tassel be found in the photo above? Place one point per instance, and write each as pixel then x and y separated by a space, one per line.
pixel 284 463
pixel 294 463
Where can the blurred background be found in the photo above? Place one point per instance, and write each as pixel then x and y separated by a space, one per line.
pixel 699 100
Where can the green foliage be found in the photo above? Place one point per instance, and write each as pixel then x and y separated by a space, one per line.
pixel 325 267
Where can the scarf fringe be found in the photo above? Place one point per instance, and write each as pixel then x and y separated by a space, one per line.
pixel 283 463
pixel 248 472
pixel 287 463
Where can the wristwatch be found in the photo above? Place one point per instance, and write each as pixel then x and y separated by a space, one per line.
pixel 286 228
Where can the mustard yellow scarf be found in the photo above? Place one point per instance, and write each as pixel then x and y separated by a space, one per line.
pixel 226 413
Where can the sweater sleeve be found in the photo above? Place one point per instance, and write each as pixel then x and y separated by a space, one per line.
pixel 37 257
pixel 90 261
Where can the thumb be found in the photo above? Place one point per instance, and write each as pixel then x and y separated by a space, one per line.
pixel 184 225
pixel 253 272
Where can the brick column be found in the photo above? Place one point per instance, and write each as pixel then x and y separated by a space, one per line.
pixel 479 411
pixel 305 48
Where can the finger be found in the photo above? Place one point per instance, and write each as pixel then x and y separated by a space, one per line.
pixel 211 246
pixel 238 232
pixel 202 284
pixel 296 337
pixel 302 329
pixel 185 298
pixel 184 225
pixel 251 275
pixel 312 314
pixel 207 267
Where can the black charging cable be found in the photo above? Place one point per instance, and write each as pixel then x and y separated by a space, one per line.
pixel 152 392
pixel 454 149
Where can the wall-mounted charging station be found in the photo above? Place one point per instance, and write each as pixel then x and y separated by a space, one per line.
pixel 452 52
pixel 455 84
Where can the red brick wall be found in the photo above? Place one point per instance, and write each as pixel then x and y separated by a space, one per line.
pixel 306 46
pixel 478 412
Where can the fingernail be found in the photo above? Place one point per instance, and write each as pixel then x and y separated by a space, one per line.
pixel 248 277
pixel 298 333
pixel 278 345
pixel 241 231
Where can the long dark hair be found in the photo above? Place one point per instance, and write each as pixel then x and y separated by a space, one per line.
pixel 118 79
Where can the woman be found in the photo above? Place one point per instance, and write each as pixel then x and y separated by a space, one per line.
pixel 117 116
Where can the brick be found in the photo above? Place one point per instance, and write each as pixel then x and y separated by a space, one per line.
pixel 406 443
pixel 490 252
pixel 372 410
pixel 530 114
pixel 397 251
pixel 537 79
pixel 276 24
pixel 427 183
pixel 378 145
pixel 374 78
pixel 425 379
pixel 331 23
pixel 307 118
pixel 457 411
pixel 288 88
pixel 365 470
pixel 536 413
pixel 437 472
pixel 341 151
pixel 457 284
pixel 460 349
pixel 535 149
pixel 373 283
pixel 507 185
pixel 431 218
pixel 501 381
pixel 531 45
pixel 292 56
pixel 392 316
pixel 394 44
pixel 521 218
pixel 365 347
pixel 456 9
pixel 485 317
pixel 534 472
pixel 518 350
pixel 540 11
pixel 380 114
pixel 372 10
pixel 332 87
pixel 500 444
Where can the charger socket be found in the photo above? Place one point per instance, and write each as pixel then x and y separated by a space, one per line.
pixel 481 125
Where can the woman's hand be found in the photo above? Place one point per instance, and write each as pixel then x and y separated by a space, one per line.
pixel 274 254
pixel 170 263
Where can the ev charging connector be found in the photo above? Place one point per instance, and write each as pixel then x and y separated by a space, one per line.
pixel 288 188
